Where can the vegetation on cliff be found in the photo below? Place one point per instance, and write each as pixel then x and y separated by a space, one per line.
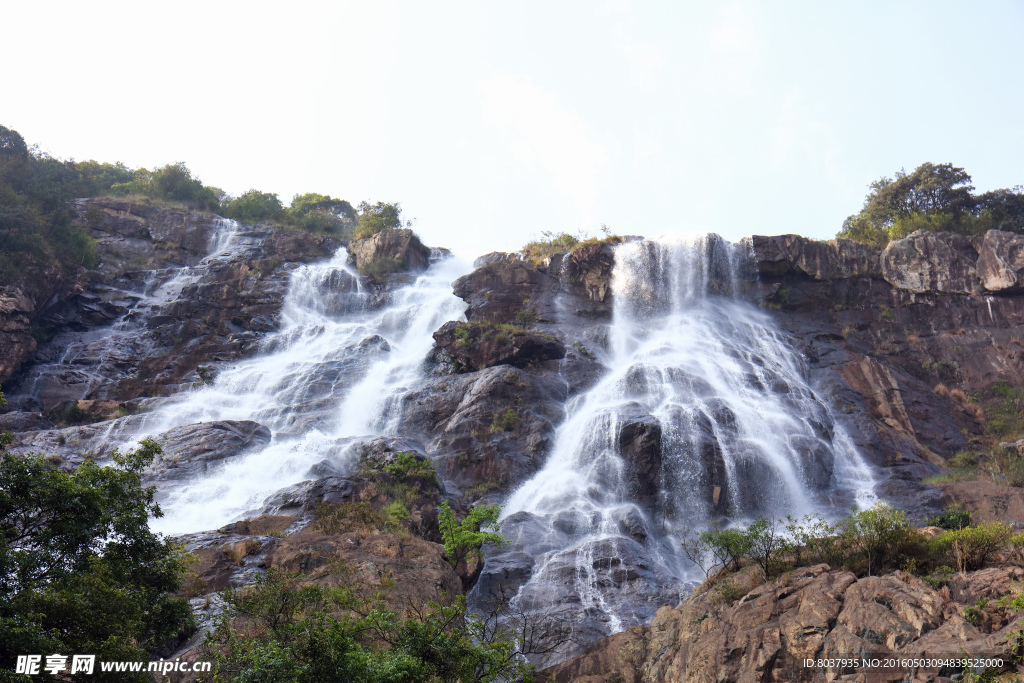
pixel 551 243
pixel 79 568
pixel 936 198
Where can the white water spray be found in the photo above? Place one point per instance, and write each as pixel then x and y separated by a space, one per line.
pixel 705 412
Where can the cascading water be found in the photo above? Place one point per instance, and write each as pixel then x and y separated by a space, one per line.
pixel 705 413
pixel 335 371
pixel 80 365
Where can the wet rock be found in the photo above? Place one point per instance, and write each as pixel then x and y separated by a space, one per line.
pixel 475 346
pixel 931 262
pixel 1001 262
pixel 497 290
pixel 399 245
pixel 640 448
pixel 300 500
pixel 192 450
pixel 487 430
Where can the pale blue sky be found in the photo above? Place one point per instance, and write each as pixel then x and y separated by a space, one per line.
pixel 493 121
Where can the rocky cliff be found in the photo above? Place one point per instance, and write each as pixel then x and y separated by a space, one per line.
pixel 880 331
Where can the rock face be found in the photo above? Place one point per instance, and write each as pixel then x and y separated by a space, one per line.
pixel 931 262
pixel 397 244
pixel 222 309
pixel 891 343
pixel 812 612
pixel 475 347
pixel 191 450
pixel 16 341
pixel 1001 262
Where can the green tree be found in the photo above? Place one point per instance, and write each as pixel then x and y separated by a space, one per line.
pixel 881 533
pixel 254 206
pixel 940 193
pixel 283 630
pixel 320 213
pixel 375 218
pixel 466 539
pixel 80 570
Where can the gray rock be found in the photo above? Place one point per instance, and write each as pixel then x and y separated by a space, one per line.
pixel 1001 262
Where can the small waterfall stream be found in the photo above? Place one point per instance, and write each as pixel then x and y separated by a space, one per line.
pixel 705 412
pixel 86 362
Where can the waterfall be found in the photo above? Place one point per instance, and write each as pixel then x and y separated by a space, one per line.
pixel 334 372
pixel 705 412
pixel 80 365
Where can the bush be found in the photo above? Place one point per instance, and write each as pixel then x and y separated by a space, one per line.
pixel 375 218
pixel 465 539
pixel 282 630
pixel 320 213
pixel 970 546
pixel 881 534
pixel 505 421
pixel 767 544
pixel 953 517
pixel 379 268
pixel 254 207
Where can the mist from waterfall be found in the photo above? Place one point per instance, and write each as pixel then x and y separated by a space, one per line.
pixel 705 413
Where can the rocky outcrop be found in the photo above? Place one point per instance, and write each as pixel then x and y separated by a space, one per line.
pixel 475 346
pixel 835 260
pixel 1001 262
pixel 16 341
pixel 741 629
pixel 400 246
pixel 486 430
pixel 931 262
pixel 190 451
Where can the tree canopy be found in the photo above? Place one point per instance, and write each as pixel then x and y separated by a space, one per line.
pixel 935 197
pixel 375 218
pixel 80 570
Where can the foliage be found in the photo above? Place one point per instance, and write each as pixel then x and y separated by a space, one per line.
pixel 821 540
pixel 551 243
pixel 935 197
pixel 79 568
pixel 767 544
pixel 375 218
pixel 505 421
pixel 972 546
pixel 254 206
pixel 174 183
pixel 281 630
pixel 320 213
pixel 466 539
pixel 881 533
pixel 380 268
pixel 1005 412
pixel 953 518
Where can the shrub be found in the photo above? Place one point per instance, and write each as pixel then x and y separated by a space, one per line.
pixel 379 268
pixel 880 533
pixel 465 539
pixel 822 541
pixel 375 218
pixel 953 517
pixel 505 421
pixel 767 544
pixel 972 546
pixel 254 206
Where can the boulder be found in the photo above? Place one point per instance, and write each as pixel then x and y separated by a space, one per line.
pixel 931 262
pixel 640 447
pixel 479 345
pixel 400 245
pixel 192 450
pixel 1001 262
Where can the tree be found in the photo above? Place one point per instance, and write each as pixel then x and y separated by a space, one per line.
pixel 254 206
pixel 881 533
pixel 938 193
pixel 1006 208
pixel 466 539
pixel 79 568
pixel 320 213
pixel 375 218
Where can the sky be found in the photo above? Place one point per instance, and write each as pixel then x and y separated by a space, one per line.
pixel 494 122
